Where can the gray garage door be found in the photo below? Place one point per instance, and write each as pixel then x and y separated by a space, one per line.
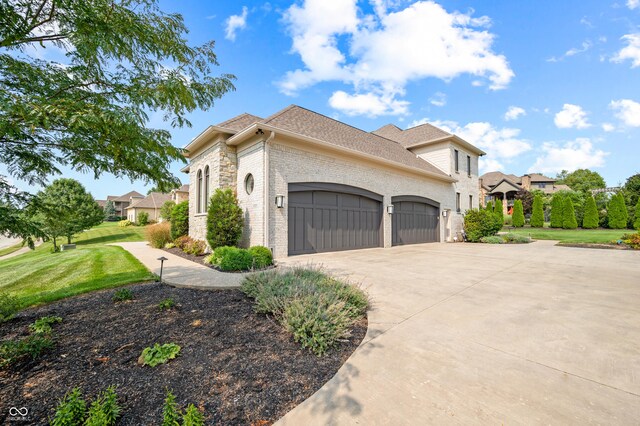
pixel 415 220
pixel 322 220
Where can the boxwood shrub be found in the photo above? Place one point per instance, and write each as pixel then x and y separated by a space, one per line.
pixel 262 257
pixel 228 258
pixel 481 223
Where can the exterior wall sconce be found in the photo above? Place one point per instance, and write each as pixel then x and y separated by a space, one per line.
pixel 279 201
pixel 444 213
pixel 390 209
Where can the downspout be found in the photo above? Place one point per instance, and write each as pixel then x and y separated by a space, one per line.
pixel 265 185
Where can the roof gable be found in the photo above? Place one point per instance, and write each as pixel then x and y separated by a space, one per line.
pixel 239 122
pixel 505 186
pixel 154 200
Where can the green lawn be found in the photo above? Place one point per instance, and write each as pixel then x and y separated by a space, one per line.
pixel 41 276
pixel 10 249
pixel 571 235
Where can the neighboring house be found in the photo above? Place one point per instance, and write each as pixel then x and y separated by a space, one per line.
pixel 150 204
pixel 500 186
pixel 308 183
pixel 181 194
pixel 121 202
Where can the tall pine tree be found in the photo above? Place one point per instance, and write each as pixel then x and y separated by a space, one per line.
pixel 569 220
pixel 498 210
pixel 591 219
pixel 537 216
pixel 518 214
pixel 617 214
pixel 557 205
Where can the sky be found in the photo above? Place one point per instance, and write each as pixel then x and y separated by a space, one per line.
pixel 541 86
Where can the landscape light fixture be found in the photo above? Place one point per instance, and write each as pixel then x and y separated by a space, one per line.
pixel 390 209
pixel 161 259
pixel 279 201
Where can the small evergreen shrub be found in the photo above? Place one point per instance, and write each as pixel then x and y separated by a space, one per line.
pixel 43 325
pixel 124 223
pixel 493 239
pixel 170 411
pixel 166 209
pixel 617 212
pixel 180 220
pixel 591 219
pixel 537 214
pixel 159 234
pixel 9 306
pixel 224 219
pixel 262 257
pixel 15 351
pixel 489 206
pixel 167 303
pixel 71 409
pixel 481 223
pixel 143 218
pixel 231 259
pixel 498 210
pixel 104 411
pixel 121 295
pixel 158 354
pixel 518 214
pixel 195 247
pixel 192 416
pixel 557 206
pixel 569 220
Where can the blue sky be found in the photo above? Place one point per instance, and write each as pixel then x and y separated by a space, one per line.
pixel 541 86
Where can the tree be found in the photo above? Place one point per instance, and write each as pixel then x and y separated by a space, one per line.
pixel 65 208
pixel 591 218
pixel 583 180
pixel 569 215
pixel 498 210
pixel 180 220
pixel 224 219
pixel 518 214
pixel 636 222
pixel 109 210
pixel 90 113
pixel 143 218
pixel 489 206
pixel 166 209
pixel 537 215
pixel 557 205
pixel 617 215
pixel 481 223
pixel 527 200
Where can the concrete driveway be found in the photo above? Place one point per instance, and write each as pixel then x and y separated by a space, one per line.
pixel 467 334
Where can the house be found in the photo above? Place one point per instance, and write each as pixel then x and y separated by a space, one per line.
pixel 308 183
pixel 121 202
pixel 500 186
pixel 150 204
pixel 180 194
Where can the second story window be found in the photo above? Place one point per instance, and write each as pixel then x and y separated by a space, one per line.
pixel 458 202
pixel 468 165
pixel 456 160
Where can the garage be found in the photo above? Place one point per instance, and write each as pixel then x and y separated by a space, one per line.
pixel 326 217
pixel 415 220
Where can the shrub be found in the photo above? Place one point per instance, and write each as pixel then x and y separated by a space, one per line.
pixel 262 256
pixel 170 411
pixel 167 303
pixel 71 410
pixel 32 346
pixel 557 205
pixel 617 212
pixel 591 219
pixel 518 214
pixel 636 222
pixel 104 411
pixel 195 247
pixel 632 240
pixel 192 417
pixel 169 245
pixel 159 234
pixel 224 219
pixel 493 239
pixel 569 220
pixel 9 306
pixel 166 209
pixel 43 325
pixel 489 206
pixel 124 223
pixel 481 223
pixel 232 259
pixel 159 354
pixel 515 239
pixel 143 218
pixel 180 220
pixel 181 242
pixel 537 215
pixel 122 295
pixel 508 221
pixel 498 210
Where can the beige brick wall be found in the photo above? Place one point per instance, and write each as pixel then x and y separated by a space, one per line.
pixel 289 163
pixel 250 160
pixel 208 157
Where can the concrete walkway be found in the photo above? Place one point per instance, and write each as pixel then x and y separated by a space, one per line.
pixel 180 272
pixel 487 334
pixel 20 251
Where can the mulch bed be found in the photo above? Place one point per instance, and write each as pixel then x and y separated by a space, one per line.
pixel 191 257
pixel 239 367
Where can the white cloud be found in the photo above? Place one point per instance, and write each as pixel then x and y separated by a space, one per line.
pixel 627 111
pixel 439 99
pixel 608 127
pixel 571 116
pixel 235 23
pixel 632 4
pixel 369 104
pixel 489 165
pixel 577 154
pixel 586 45
pixel 631 51
pixel 514 112
pixel 380 53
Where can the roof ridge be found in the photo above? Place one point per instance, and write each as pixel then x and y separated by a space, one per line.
pixel 430 125
pixel 279 113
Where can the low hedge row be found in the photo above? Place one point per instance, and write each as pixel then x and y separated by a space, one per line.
pixel 230 259
pixel 505 239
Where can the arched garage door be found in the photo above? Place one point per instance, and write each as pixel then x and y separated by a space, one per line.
pixel 415 220
pixel 330 217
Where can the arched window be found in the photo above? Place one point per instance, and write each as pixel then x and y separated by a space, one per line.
pixel 206 188
pixel 199 192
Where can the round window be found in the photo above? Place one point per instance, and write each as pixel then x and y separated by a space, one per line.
pixel 248 183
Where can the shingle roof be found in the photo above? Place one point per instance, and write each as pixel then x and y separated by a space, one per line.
pixel 422 133
pixel 312 124
pixel 154 200
pixel 493 178
pixel 125 197
pixel 183 188
pixel 239 122
pixel 537 177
